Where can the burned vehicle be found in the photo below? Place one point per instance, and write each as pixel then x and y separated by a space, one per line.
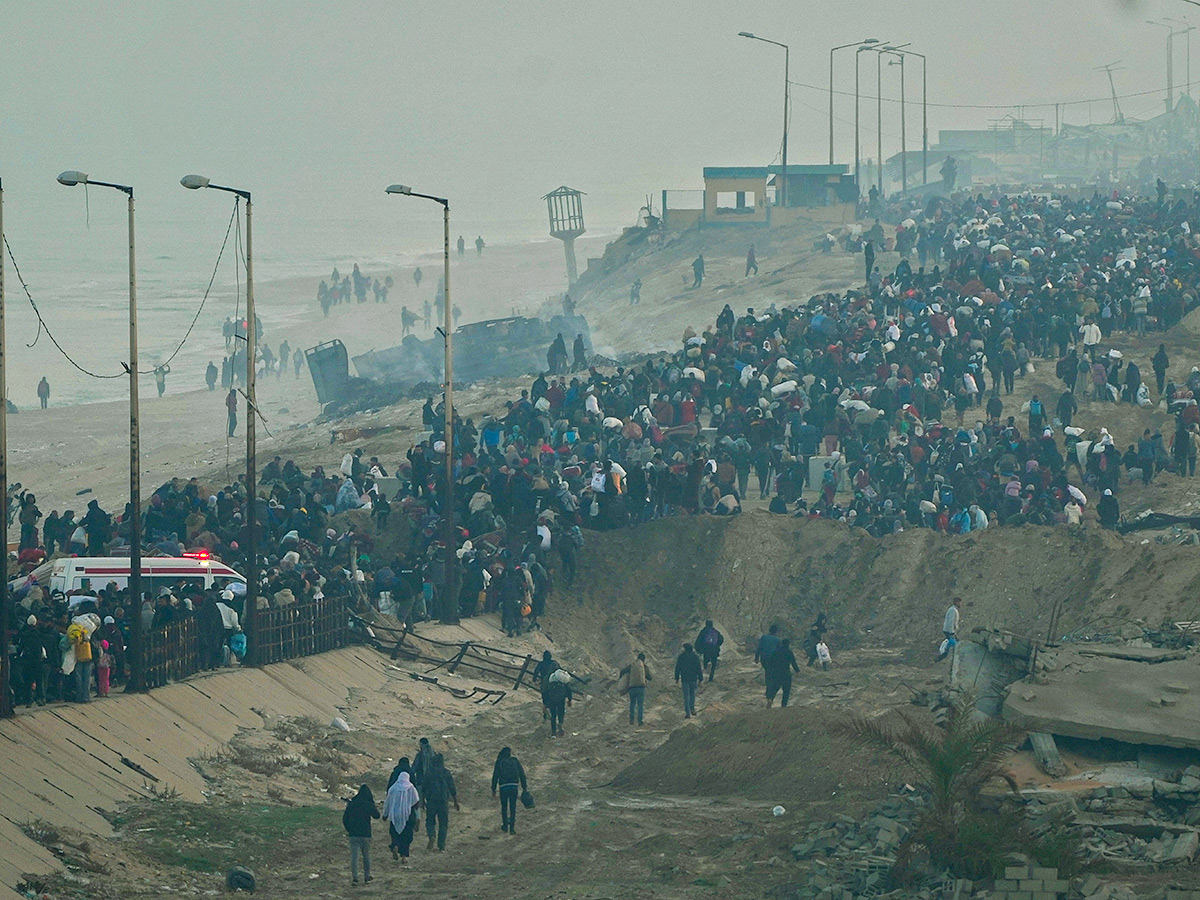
pixel 497 348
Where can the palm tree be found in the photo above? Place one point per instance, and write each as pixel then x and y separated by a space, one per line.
pixel 954 762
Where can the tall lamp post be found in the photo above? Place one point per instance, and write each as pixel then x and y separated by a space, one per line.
pixel 899 61
pixel 857 146
pixel 137 658
pixel 865 42
pixel 781 199
pixel 880 51
pixel 450 593
pixel 924 107
pixel 6 704
pixel 250 607
pixel 1171 32
pixel 1186 29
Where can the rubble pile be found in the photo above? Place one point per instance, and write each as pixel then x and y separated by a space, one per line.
pixel 1152 823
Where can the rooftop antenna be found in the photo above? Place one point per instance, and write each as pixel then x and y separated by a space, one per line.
pixel 1118 116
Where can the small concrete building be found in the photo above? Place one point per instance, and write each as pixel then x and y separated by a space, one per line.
pixel 749 195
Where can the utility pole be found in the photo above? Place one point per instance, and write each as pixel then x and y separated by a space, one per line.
pixel 6 700
pixel 137 657
pixel 1118 116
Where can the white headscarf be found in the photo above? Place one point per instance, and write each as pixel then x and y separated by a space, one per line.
pixel 401 798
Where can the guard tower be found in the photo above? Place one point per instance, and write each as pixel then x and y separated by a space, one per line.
pixel 566 223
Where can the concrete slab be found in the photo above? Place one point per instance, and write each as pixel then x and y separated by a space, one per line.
pixel 1117 699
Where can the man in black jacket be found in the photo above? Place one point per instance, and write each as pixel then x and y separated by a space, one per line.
pixel 509 776
pixel 437 793
pixel 688 673
pixel 708 643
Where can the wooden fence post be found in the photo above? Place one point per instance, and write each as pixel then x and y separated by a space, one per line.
pixel 521 674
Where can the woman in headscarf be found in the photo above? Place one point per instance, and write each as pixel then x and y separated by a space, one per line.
pixel 357 822
pixel 400 810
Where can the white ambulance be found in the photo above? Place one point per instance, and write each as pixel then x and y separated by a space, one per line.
pixel 92 573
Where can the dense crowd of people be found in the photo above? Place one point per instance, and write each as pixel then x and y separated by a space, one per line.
pixel 849 396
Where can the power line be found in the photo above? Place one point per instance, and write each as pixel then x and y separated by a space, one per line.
pixel 204 299
pixel 824 89
pixel 42 322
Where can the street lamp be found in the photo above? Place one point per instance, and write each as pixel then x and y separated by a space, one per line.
pixel 880 51
pixel 1186 30
pixel 857 151
pixel 781 198
pixel 6 705
pixel 1171 32
pixel 865 42
pixel 450 598
pixel 250 607
pixel 137 679
pixel 924 107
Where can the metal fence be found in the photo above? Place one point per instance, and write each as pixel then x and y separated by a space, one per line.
pixel 300 629
pixel 281 633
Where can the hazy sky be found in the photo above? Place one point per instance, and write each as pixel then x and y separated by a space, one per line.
pixel 317 106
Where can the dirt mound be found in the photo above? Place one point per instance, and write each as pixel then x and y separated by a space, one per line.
pixel 786 756
pixel 651 587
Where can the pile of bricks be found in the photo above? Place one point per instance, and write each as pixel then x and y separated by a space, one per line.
pixel 1029 883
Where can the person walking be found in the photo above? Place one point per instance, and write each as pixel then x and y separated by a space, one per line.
pixel 400 810
pixel 709 642
pixel 210 375
pixel 751 262
pixel 43 391
pixel 356 819
pixel 556 694
pixel 231 405
pixel 1159 363
pixel 439 792
pixel 637 675
pixel 160 378
pixel 767 645
pixel 698 270
pixel 779 671
pixel 509 776
pixel 688 673
pixel 950 626
pixel 479 245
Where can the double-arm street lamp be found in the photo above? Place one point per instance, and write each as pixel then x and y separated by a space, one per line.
pixel 137 681
pixel 449 602
pixel 781 198
pixel 864 44
pixel 250 607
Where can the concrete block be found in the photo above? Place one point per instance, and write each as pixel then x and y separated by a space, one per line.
pixel 1031 884
pixel 1038 872
pixel 1006 884
pixel 1020 895
pixel 1184 848
pixel 1016 873
pixel 1044 895
pixel 1059 886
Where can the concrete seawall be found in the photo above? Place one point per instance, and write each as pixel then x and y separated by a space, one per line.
pixel 68 764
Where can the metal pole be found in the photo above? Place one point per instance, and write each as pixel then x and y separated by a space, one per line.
pixel 786 102
pixel 450 600
pixel 857 147
pixel 251 605
pixel 137 653
pixel 879 121
pixel 831 105
pixel 1170 70
pixel 903 134
pixel 924 122
pixel 6 704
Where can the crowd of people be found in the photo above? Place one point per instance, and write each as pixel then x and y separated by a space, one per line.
pixel 849 396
